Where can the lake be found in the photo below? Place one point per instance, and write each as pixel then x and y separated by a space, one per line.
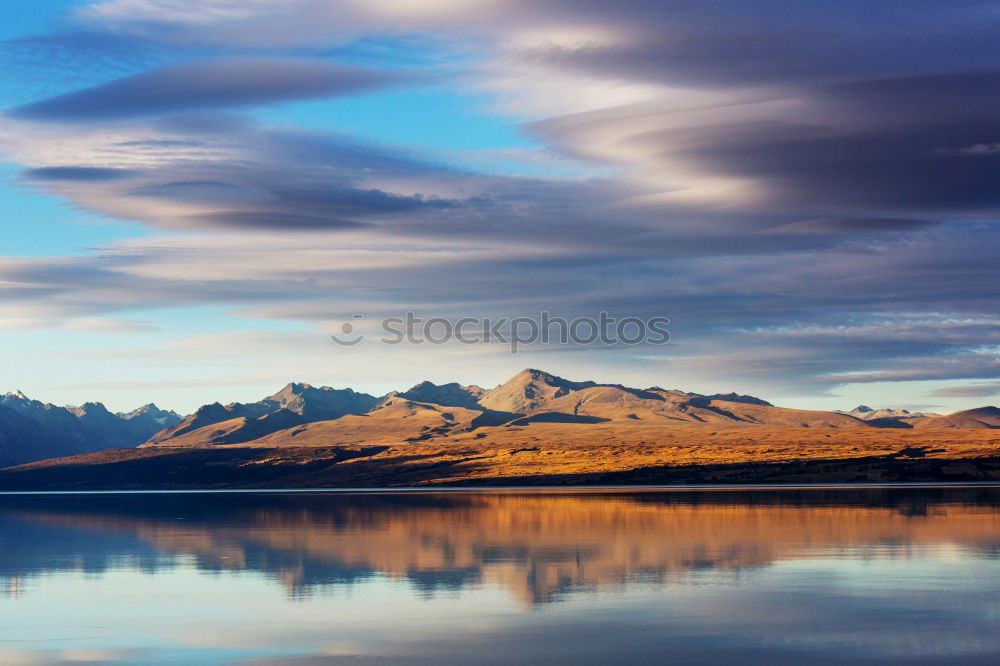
pixel 695 576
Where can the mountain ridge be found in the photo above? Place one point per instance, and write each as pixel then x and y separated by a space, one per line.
pixel 533 400
pixel 528 399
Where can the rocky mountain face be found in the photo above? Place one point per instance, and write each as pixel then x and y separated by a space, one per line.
pixel 449 395
pixel 887 417
pixel 295 404
pixel 32 430
pixel 867 413
pixel 316 403
pixel 527 390
pixel 736 397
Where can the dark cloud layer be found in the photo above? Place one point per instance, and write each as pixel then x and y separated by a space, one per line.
pixel 852 225
pixel 208 84
pixel 250 219
pixel 889 145
pixel 723 43
pixel 77 173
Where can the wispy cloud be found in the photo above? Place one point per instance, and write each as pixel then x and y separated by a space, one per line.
pixel 981 390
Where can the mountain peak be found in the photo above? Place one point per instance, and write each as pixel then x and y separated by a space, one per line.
pixel 424 384
pixel 90 408
pixel 527 389
pixel 150 410
pixel 301 390
pixel 534 373
pixel 861 409
pixel 314 402
pixel 294 388
pixel 16 394
pixel 211 408
pixel 737 397
pixel 451 394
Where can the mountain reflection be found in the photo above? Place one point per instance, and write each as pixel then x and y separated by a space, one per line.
pixel 538 546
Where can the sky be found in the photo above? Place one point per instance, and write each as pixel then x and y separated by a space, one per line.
pixel 195 194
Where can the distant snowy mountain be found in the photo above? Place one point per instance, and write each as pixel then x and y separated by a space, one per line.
pixel 32 430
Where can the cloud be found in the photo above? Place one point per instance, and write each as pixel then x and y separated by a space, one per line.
pixel 211 11
pixel 210 171
pixel 809 194
pixel 210 84
pixel 236 219
pixel 857 225
pixel 77 173
pixel 328 226
pixel 878 150
pixel 786 322
pixel 981 390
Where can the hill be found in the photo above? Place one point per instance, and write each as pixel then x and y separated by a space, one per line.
pixel 674 407
pixel 982 417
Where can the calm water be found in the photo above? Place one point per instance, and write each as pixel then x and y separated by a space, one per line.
pixel 863 576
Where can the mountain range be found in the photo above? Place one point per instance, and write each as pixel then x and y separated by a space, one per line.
pixel 32 430
pixel 303 415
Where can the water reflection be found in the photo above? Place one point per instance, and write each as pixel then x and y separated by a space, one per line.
pixel 770 575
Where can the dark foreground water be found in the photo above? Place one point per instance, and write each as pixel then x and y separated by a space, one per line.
pixel 846 576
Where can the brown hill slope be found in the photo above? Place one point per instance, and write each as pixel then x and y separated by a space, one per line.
pixel 675 408
pixel 397 420
pixel 616 404
pixel 785 417
pixel 205 415
pixel 231 431
pixel 309 403
pixel 981 417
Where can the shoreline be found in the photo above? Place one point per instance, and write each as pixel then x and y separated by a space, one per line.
pixel 514 489
pixel 412 468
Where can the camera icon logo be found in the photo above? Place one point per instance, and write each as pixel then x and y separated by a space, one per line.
pixel 347 337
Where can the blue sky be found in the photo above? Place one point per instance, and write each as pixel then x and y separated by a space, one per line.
pixel 194 194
